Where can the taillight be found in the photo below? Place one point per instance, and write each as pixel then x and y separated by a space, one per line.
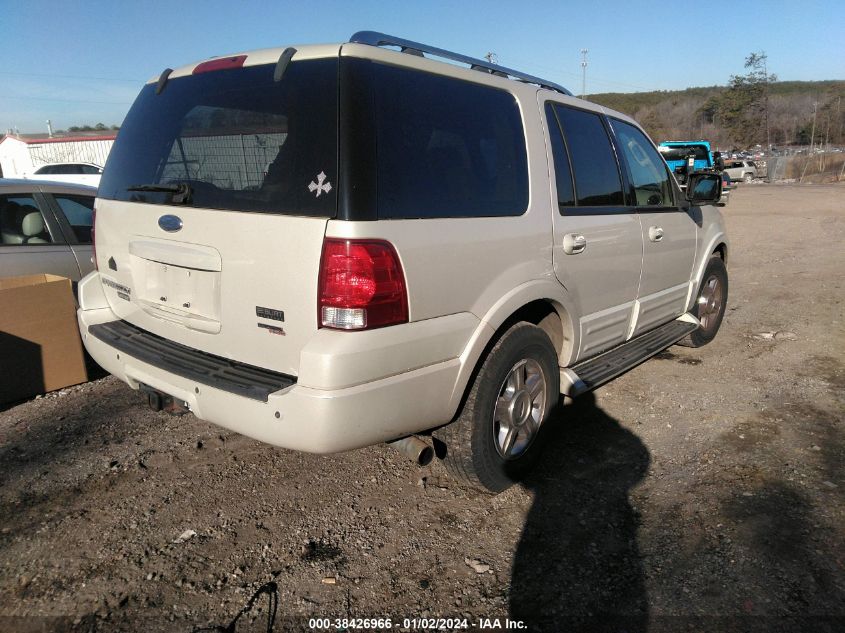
pixel 93 239
pixel 361 285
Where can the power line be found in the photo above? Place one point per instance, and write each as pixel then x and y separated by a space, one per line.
pixel 21 74
pixel 126 103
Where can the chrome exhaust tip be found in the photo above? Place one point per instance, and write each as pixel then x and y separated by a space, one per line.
pixel 414 449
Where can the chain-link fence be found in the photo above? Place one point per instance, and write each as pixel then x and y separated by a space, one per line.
pixel 234 161
pixel 87 151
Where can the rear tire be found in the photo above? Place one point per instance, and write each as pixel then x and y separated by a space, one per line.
pixel 710 304
pixel 748 177
pixel 497 437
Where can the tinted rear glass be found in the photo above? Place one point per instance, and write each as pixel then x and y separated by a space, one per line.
pixel 597 181
pixel 563 173
pixel 682 152
pixel 445 147
pixel 240 140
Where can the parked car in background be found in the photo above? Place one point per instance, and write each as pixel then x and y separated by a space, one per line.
pixel 78 173
pixel 727 187
pixel 741 170
pixel 45 227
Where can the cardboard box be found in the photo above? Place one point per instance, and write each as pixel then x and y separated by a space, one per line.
pixel 40 348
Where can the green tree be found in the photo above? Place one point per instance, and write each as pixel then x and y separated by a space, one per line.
pixel 743 109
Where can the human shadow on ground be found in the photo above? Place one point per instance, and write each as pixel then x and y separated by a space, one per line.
pixel 577 565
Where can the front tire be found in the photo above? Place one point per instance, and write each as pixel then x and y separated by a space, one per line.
pixel 710 304
pixel 496 439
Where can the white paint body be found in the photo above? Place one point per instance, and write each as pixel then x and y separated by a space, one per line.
pixel 465 278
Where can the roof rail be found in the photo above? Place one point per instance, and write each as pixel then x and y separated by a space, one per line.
pixel 374 38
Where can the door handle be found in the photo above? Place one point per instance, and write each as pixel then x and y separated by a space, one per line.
pixel 574 244
pixel 655 233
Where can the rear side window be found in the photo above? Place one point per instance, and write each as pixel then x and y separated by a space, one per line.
pixel 240 140
pixel 446 147
pixel 597 181
pixel 563 172
pixel 78 211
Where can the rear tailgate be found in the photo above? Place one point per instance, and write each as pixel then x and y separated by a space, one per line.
pixel 238 285
pixel 214 203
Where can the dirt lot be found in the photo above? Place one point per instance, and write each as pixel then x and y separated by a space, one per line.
pixel 702 491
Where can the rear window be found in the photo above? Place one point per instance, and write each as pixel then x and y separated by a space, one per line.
pixel 240 141
pixel 443 147
pixel 681 152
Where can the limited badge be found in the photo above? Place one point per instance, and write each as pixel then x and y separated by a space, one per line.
pixel 321 186
pixel 272 329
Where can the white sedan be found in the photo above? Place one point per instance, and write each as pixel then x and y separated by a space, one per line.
pixel 78 173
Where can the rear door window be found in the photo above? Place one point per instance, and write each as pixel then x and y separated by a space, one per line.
pixel 597 179
pixel 240 140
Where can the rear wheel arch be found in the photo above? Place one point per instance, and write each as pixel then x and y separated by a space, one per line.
pixel 511 393
pixel 550 315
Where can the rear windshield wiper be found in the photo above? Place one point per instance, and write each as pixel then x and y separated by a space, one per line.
pixel 181 191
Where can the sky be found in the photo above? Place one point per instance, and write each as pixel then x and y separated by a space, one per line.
pixel 82 63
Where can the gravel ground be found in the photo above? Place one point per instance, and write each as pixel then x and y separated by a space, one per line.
pixel 702 491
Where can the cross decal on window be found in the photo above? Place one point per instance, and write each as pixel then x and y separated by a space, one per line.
pixel 319 186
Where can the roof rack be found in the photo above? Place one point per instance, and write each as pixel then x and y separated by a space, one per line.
pixel 374 38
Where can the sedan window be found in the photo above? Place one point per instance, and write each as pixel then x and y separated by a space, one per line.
pixel 21 223
pixel 78 211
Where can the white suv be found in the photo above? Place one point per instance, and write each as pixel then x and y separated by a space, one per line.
pixel 326 247
pixel 741 170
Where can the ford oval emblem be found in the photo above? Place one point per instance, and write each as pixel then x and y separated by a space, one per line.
pixel 170 223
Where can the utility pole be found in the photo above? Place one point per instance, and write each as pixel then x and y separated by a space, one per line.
pixel 813 133
pixel 766 74
pixel 584 52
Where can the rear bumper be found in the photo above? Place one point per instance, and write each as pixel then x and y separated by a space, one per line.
pixel 302 416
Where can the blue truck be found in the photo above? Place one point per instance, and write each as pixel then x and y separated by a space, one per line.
pixel 685 157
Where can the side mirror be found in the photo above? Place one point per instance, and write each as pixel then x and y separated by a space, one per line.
pixel 704 188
